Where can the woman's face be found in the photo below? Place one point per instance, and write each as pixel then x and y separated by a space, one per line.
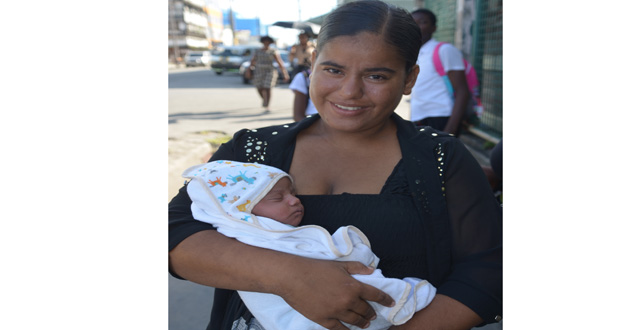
pixel 358 81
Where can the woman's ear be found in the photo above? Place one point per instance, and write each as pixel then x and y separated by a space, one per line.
pixel 411 78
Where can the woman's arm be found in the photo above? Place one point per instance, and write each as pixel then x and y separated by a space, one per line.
pixel 281 65
pixel 253 60
pixel 323 291
pixel 472 292
pixel 442 313
pixel 461 99
pixel 476 235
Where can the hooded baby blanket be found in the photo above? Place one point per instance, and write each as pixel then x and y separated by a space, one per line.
pixel 224 193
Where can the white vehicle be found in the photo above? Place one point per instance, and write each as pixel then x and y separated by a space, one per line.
pixel 198 58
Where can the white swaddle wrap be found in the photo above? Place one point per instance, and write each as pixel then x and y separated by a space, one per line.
pixel 223 194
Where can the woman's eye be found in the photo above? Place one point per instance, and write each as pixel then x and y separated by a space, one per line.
pixel 332 70
pixel 376 77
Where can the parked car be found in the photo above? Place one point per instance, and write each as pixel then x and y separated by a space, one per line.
pixel 230 58
pixel 283 54
pixel 197 58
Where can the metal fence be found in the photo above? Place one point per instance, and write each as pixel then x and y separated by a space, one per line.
pixel 485 56
pixel 487 59
pixel 445 10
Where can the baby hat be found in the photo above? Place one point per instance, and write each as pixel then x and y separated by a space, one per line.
pixel 235 187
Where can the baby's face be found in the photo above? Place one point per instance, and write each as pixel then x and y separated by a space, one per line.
pixel 281 204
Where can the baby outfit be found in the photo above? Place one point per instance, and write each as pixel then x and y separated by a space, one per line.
pixel 224 193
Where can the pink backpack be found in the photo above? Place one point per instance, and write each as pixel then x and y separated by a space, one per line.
pixel 470 75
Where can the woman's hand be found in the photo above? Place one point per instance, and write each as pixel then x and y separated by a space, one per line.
pixel 285 77
pixel 326 293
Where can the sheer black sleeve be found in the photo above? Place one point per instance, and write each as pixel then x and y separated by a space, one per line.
pixel 476 229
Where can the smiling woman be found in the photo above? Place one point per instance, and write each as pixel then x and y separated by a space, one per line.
pixel 417 193
pixel 357 82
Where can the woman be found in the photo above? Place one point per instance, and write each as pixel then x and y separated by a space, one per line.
pixel 420 196
pixel 265 75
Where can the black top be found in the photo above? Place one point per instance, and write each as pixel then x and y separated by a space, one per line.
pixel 436 217
pixel 384 218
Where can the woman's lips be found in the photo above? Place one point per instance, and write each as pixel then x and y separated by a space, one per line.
pixel 348 108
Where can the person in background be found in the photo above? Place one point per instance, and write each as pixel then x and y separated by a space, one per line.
pixel 302 104
pixel 417 193
pixel 300 54
pixel 431 102
pixel 265 75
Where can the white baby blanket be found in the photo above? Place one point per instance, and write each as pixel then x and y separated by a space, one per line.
pixel 223 194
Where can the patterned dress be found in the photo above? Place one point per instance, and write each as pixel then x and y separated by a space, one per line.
pixel 265 75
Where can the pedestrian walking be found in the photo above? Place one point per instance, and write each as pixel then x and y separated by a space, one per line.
pixel 265 75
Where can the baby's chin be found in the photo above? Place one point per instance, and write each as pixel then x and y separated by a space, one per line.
pixel 296 220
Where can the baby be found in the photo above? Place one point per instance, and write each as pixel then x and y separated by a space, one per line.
pixel 256 204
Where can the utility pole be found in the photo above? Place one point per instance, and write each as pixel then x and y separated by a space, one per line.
pixel 231 18
pixel 298 10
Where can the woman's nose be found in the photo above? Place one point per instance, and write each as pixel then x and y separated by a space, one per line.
pixel 352 87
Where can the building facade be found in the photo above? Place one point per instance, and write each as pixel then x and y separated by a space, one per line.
pixel 193 25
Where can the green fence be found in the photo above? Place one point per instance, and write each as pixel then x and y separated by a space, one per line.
pixel 487 59
pixel 445 10
pixel 486 53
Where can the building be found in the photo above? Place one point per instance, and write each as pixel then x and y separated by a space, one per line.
pixel 246 30
pixel 193 25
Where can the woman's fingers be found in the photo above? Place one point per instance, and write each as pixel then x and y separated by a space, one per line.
pixel 369 292
pixel 369 314
pixel 330 296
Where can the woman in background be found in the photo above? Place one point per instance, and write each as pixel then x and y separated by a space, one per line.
pixel 265 75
